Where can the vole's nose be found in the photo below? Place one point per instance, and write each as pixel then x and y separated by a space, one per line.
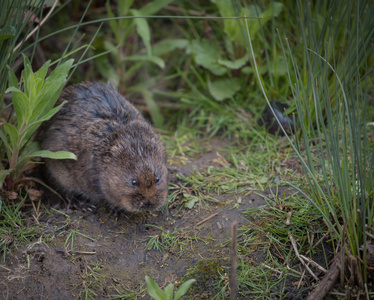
pixel 146 205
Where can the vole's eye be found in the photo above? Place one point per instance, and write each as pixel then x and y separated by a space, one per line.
pixel 135 182
pixel 157 179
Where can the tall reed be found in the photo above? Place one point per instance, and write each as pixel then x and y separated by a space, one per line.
pixel 334 142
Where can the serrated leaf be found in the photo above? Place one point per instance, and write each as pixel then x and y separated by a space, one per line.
pixel 154 290
pixel 183 289
pixel 54 155
pixel 143 30
pixel 207 54
pixel 7 32
pixel 236 64
pixel 224 88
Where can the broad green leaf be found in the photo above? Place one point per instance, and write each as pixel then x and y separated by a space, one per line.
pixel 154 59
pixel 154 109
pixel 13 81
pixel 231 27
pixel 279 67
pixel 169 290
pixel 32 127
pixel 7 32
pixel 207 54
pixel 273 10
pixel 169 45
pixel 12 133
pixel 109 46
pixel 50 113
pixel 191 200
pixel 143 30
pixel 154 290
pixel 123 10
pixel 28 78
pixel 183 289
pixel 236 64
pixel 42 72
pixel 21 105
pixel 46 99
pixel 29 148
pixel 54 155
pixel 153 7
pixel 28 132
pixel 60 72
pixel 224 88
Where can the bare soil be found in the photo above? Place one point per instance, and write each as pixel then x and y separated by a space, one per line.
pixel 111 258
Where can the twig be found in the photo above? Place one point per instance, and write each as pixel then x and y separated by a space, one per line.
pixel 225 162
pixel 36 28
pixel 206 219
pixel 292 270
pixel 76 252
pixel 313 263
pixel 5 268
pixel 233 279
pixel 301 280
pixel 274 270
pixel 328 280
pixel 319 241
pixel 300 259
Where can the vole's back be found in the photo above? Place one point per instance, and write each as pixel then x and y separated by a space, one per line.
pixel 121 159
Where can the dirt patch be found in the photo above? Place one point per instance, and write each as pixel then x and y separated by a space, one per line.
pixel 111 255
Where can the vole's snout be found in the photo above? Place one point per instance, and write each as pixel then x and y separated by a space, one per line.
pixel 142 203
pixel 146 205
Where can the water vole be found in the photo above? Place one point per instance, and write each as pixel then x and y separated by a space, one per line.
pixel 121 160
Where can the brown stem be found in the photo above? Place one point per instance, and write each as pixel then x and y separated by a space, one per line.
pixel 328 280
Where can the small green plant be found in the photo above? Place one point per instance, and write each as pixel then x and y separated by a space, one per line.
pixel 119 47
pixel 168 294
pixel 13 229
pixel 32 106
pixel 91 283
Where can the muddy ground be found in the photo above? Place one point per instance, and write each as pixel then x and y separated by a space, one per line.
pixel 111 258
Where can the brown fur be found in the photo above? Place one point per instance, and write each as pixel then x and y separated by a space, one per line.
pixel 121 160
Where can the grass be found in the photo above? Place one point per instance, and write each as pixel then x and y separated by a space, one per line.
pixel 92 280
pixel 199 97
pixel 13 230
